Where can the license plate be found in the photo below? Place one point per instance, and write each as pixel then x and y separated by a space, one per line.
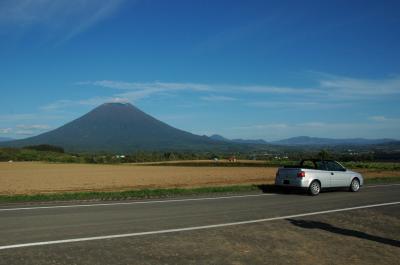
pixel 286 181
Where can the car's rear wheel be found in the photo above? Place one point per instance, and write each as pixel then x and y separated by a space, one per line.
pixel 355 185
pixel 315 188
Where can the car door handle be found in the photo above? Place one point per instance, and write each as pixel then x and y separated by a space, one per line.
pixel 332 173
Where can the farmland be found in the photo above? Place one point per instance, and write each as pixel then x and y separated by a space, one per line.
pixel 43 178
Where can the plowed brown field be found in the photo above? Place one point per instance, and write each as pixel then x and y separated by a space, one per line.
pixel 36 177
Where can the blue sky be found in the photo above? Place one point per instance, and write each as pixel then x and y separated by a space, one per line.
pixel 242 69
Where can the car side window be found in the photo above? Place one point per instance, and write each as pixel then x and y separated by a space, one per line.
pixel 320 165
pixel 308 164
pixel 333 166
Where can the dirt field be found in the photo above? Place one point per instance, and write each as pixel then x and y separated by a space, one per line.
pixel 36 177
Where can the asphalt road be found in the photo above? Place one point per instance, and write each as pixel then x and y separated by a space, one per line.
pixel 93 225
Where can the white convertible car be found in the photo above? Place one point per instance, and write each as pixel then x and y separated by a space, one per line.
pixel 315 174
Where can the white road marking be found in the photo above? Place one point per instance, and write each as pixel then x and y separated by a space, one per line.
pixel 135 202
pixel 191 228
pixel 156 201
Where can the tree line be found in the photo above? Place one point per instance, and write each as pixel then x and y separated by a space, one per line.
pixel 57 154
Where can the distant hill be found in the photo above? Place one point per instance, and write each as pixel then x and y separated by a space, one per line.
pixel 300 141
pixel 249 141
pixel 121 127
pixel 218 137
pixel 5 139
pixel 306 140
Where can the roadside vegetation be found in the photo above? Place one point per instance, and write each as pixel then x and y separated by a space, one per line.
pixel 124 195
pixel 54 154
pixel 157 193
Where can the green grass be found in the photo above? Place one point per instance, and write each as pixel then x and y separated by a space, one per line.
pixel 382 180
pixel 123 195
pixel 153 193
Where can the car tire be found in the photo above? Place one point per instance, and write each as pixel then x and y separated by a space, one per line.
pixel 315 188
pixel 355 185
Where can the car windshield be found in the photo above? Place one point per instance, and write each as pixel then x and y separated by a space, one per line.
pixel 333 166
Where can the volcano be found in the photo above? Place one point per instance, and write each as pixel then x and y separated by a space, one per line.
pixel 120 127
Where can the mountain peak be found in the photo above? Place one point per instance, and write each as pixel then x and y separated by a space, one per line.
pixel 116 104
pixel 119 127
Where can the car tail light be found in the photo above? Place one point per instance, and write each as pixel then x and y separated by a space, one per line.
pixel 301 174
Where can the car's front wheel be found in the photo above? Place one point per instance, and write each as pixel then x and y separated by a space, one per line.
pixel 355 185
pixel 315 188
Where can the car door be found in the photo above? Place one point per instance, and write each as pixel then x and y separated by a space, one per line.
pixel 323 174
pixel 338 175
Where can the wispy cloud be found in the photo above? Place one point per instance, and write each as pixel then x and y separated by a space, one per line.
pixel 62 18
pixel 273 89
pixel 276 131
pixel 93 101
pixel 23 129
pixel 217 98
pixel 31 129
pixel 16 117
pixel 132 91
pixel 378 118
pixel 25 132
pixel 294 103
pixel 381 118
pixel 57 105
pixel 326 84
pixel 23 117
pixel 5 130
pixel 359 87
pixel 329 92
pixel 140 90
pixel 156 85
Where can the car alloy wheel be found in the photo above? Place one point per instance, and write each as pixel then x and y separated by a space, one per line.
pixel 315 188
pixel 355 185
